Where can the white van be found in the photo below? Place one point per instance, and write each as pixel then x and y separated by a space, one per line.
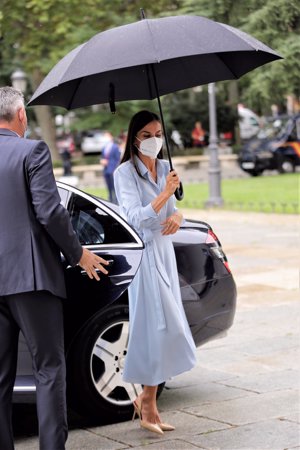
pixel 249 122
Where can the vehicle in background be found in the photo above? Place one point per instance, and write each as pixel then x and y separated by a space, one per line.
pixel 97 314
pixel 94 141
pixel 280 152
pixel 249 123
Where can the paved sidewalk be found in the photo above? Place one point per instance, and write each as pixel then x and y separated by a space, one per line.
pixel 244 392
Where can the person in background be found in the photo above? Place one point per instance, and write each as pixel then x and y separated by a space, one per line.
pixel 110 160
pixel 198 135
pixel 66 147
pixel 34 228
pixel 160 341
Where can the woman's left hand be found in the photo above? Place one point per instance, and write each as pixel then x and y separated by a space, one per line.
pixel 172 224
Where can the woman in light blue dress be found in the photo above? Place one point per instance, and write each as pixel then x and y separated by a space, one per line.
pixel 160 342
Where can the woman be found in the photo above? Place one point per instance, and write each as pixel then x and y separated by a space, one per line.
pixel 160 343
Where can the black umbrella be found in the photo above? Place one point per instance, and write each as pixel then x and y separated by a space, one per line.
pixel 149 58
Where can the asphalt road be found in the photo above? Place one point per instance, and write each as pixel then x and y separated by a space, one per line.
pixel 244 392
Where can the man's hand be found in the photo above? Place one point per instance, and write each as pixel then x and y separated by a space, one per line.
pixel 90 262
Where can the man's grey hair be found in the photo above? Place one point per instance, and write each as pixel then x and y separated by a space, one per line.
pixel 11 100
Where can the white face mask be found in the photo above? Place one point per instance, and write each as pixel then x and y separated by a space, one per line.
pixel 151 146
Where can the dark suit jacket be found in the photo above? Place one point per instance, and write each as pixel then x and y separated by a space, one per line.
pixel 113 155
pixel 34 226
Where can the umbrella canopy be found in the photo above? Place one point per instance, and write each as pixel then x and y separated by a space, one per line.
pixel 149 58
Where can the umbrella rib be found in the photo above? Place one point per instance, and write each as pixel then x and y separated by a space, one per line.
pixel 149 80
pixel 231 71
pixel 152 40
pixel 74 93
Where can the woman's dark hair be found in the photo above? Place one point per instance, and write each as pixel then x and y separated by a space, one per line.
pixel 137 123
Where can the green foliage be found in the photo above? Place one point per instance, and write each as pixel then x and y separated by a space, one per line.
pixel 186 107
pixel 276 23
pixel 35 34
pixel 103 119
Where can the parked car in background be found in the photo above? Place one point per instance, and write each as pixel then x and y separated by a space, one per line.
pixel 94 141
pixel 280 152
pixel 249 123
pixel 96 313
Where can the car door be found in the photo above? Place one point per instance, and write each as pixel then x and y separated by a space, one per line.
pixel 104 232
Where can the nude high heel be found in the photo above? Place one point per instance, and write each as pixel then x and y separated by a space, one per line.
pixel 166 426
pixel 154 427
pixel 138 412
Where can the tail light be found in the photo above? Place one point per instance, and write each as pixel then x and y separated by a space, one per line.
pixel 216 249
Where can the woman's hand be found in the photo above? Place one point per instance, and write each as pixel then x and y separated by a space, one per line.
pixel 172 224
pixel 172 183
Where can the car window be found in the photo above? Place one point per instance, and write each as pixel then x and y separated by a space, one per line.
pixel 253 121
pixel 93 225
pixel 63 196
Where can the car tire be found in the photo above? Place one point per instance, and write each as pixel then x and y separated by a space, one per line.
pixel 95 366
pixel 255 172
pixel 286 165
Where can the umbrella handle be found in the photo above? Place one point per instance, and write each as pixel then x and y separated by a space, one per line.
pixel 179 194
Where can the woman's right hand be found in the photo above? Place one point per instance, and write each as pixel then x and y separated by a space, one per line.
pixel 172 183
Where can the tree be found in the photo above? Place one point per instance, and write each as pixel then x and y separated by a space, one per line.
pixel 274 22
pixel 35 34
pixel 186 107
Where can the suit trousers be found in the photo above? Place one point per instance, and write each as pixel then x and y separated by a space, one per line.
pixel 109 179
pixel 39 315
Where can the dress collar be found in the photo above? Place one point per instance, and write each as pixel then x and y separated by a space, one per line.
pixel 143 169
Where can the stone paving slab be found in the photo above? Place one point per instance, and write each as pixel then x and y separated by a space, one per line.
pixel 287 278
pixel 85 439
pixel 252 409
pixel 271 435
pixel 178 444
pixel 192 378
pixel 200 394
pixel 262 382
pixel 187 425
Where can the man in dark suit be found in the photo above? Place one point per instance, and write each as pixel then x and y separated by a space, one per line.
pixel 110 159
pixel 34 228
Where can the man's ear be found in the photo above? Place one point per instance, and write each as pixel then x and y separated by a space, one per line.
pixel 21 114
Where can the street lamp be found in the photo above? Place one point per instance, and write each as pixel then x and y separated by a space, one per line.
pixel 19 80
pixel 214 170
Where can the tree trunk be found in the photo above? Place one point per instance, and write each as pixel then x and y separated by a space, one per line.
pixel 45 119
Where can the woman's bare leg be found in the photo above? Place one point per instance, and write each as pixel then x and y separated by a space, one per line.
pixel 149 407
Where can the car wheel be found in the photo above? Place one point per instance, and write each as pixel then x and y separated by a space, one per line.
pixel 95 368
pixel 286 165
pixel 255 172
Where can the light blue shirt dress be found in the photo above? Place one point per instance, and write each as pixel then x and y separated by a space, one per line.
pixel 160 342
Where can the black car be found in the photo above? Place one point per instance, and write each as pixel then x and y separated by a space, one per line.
pixel 281 152
pixel 96 313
